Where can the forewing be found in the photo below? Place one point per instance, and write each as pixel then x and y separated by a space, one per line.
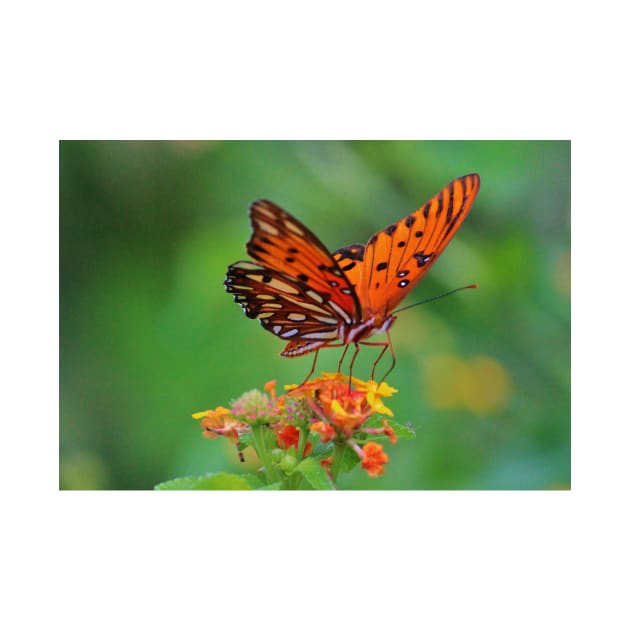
pixel 281 243
pixel 398 257
pixel 286 307
pixel 350 261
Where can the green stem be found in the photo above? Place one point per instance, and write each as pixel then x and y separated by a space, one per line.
pixel 260 445
pixel 302 441
pixel 338 452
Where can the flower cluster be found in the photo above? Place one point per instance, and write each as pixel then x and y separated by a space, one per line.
pixel 342 407
pixel 330 409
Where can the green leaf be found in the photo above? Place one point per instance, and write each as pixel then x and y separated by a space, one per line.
pixel 402 431
pixel 321 450
pixel 349 460
pixel 314 474
pixel 245 440
pixel 212 481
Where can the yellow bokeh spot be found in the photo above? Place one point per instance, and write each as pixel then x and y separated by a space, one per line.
pixel 492 385
pixel 562 274
pixel 481 384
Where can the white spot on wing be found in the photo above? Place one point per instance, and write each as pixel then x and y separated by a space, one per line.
pixel 307 305
pixel 325 320
pixel 266 227
pixel 331 334
pixel 282 286
pixel 341 312
pixel 265 211
pixel 296 317
pixel 248 266
pixel 293 228
pixel 316 296
pixel 289 333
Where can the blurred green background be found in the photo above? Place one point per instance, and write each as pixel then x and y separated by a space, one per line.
pixel 149 336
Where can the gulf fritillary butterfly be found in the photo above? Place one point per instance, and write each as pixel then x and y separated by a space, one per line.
pixel 304 294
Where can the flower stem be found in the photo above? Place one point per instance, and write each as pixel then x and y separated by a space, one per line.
pixel 302 441
pixel 261 448
pixel 338 452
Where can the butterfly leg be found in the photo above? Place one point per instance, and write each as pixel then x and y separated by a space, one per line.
pixel 343 355
pixel 312 368
pixel 391 349
pixel 354 356
pixel 384 345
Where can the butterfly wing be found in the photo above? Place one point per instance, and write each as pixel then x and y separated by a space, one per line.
pixel 285 307
pixel 281 243
pixel 350 261
pixel 398 257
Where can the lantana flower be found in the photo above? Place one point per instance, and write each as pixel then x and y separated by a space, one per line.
pixel 333 407
pixel 342 407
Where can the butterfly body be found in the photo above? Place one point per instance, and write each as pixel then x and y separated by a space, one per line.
pixel 311 298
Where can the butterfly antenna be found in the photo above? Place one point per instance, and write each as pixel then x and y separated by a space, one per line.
pixel 437 297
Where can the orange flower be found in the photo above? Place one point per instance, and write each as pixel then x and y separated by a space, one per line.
pixel 325 430
pixel 374 459
pixel 348 414
pixel 326 463
pixel 219 421
pixel 343 407
pixel 289 436
pixel 270 388
pixel 389 432
pixel 212 417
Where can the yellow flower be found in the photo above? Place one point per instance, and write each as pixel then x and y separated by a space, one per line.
pixel 374 392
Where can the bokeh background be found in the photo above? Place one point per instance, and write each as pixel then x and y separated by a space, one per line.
pixel 149 336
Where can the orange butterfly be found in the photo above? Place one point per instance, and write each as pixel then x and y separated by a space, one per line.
pixel 304 294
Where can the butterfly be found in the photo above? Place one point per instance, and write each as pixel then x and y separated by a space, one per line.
pixel 312 299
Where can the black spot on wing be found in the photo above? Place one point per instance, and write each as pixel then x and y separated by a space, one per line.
pixel 353 252
pixel 422 259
